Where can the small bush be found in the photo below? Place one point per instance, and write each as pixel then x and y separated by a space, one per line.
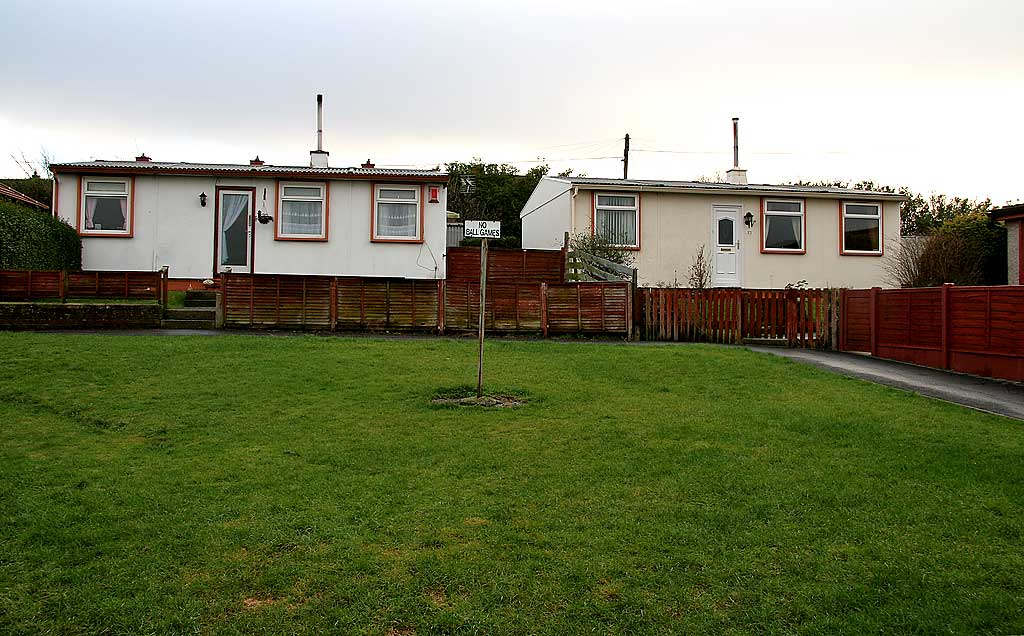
pixel 32 239
pixel 966 250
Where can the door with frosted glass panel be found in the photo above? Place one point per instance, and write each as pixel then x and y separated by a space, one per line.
pixel 234 231
pixel 726 251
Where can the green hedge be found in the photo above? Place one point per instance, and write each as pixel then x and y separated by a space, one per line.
pixel 32 239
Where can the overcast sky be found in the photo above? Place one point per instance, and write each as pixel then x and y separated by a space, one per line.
pixel 926 94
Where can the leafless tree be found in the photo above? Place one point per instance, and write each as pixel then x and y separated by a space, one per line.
pixel 699 276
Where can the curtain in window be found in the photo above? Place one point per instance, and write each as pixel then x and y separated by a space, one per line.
pixel 90 210
pixel 618 226
pixel 782 232
pixel 302 217
pixel 232 207
pixel 396 219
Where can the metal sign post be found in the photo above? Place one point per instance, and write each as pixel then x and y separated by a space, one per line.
pixel 484 230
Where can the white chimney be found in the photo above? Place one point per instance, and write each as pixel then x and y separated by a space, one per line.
pixel 736 175
pixel 318 157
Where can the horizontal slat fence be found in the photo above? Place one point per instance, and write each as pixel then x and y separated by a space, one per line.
pixel 506 266
pixel 800 317
pixel 977 330
pixel 354 303
pixel 32 285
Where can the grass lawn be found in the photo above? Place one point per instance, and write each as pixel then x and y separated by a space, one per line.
pixel 305 485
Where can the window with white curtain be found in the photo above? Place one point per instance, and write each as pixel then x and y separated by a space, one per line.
pixel 783 225
pixel 862 228
pixel 396 213
pixel 616 218
pixel 105 206
pixel 303 210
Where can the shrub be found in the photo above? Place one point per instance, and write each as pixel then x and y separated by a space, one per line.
pixel 32 239
pixel 966 250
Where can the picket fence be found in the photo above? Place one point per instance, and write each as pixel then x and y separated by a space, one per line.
pixel 803 318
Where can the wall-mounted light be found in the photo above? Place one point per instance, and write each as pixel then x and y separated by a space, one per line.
pixel 748 218
pixel 202 199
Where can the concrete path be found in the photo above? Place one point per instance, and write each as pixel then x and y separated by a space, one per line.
pixel 983 394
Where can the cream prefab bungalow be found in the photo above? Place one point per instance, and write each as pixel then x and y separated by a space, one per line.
pixel 204 219
pixel 755 236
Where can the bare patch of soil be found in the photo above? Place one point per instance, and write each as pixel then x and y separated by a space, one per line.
pixel 256 602
pixel 488 401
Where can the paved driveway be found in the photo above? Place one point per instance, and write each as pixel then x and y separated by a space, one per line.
pixel 994 396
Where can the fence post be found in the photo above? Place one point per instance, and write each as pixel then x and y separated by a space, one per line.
pixel 839 319
pixel 332 312
pixel 946 326
pixel 544 309
pixel 873 309
pixel 739 316
pixel 791 317
pixel 440 306
pixel 164 284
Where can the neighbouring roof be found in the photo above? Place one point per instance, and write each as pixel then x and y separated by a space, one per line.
pixel 184 167
pixel 1007 212
pixel 11 193
pixel 753 188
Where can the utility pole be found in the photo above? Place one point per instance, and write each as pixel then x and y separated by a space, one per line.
pixel 625 158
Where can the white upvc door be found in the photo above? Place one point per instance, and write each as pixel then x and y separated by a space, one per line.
pixel 234 231
pixel 725 241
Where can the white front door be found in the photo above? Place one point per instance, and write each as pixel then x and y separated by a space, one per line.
pixel 725 241
pixel 234 230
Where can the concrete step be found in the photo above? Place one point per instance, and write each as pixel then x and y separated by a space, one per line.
pixel 186 324
pixel 191 313
pixel 200 298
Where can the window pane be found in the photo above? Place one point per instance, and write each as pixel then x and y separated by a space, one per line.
pixel 618 226
pixel 725 232
pixel 409 195
pixel 861 234
pixel 782 232
pixel 621 201
pixel 301 191
pixel 857 208
pixel 106 213
pixel 783 206
pixel 106 186
pixel 302 217
pixel 396 220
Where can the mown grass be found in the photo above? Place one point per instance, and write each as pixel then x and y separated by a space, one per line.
pixel 305 485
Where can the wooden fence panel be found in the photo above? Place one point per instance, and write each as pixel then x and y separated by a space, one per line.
pixel 801 317
pixel 978 330
pixel 28 285
pixel 506 266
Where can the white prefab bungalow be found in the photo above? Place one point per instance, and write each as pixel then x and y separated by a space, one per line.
pixel 757 236
pixel 202 219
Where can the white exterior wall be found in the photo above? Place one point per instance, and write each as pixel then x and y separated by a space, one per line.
pixel 171 228
pixel 547 215
pixel 674 225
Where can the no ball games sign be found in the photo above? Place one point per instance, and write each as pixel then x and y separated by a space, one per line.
pixel 483 229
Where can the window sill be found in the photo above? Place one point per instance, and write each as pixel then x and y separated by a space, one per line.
pixel 775 250
pixel 395 240
pixel 86 234
pixel 855 253
pixel 304 239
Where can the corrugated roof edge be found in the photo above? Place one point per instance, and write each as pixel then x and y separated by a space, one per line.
pixel 163 167
pixel 732 188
